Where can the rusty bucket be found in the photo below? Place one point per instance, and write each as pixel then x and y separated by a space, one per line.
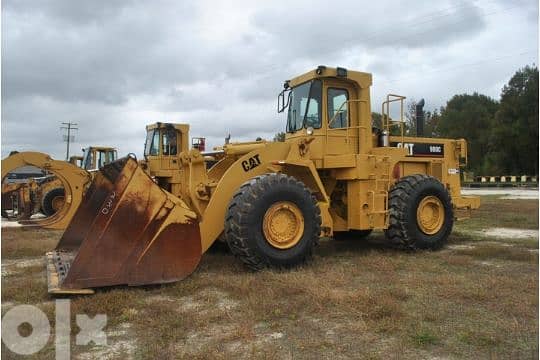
pixel 127 231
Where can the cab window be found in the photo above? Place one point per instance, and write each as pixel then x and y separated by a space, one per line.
pixel 100 159
pixel 152 143
pixel 313 112
pixel 338 116
pixel 305 106
pixel 169 142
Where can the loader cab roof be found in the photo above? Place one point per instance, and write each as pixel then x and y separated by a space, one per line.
pixel 363 79
pixel 102 148
pixel 159 125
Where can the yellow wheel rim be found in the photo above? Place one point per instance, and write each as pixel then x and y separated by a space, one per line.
pixel 57 203
pixel 283 225
pixel 430 215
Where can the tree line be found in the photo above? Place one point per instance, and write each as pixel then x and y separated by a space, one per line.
pixel 502 135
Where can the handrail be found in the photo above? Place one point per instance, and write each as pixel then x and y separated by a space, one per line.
pixel 386 122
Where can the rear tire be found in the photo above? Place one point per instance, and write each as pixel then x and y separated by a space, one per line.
pixel 273 220
pixel 421 213
pixel 49 200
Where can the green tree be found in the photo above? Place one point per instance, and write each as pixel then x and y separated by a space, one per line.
pixel 280 136
pixel 470 117
pixel 431 121
pixel 514 141
pixel 376 120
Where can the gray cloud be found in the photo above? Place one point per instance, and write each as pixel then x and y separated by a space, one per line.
pixel 114 66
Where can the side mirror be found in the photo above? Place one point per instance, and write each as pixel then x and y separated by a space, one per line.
pixel 282 105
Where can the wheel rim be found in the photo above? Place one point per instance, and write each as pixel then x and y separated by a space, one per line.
pixel 57 203
pixel 430 215
pixel 283 225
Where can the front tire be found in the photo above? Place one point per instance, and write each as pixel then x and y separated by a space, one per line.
pixel 421 213
pixel 273 220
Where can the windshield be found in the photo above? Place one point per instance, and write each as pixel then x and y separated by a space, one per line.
pixel 151 146
pixel 305 106
pixel 87 159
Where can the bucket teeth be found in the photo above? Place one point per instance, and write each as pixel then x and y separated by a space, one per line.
pixel 61 265
pixel 58 264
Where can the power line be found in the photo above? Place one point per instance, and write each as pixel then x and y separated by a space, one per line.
pixel 453 23
pixel 420 20
pixel 68 138
pixel 457 67
pixel 414 22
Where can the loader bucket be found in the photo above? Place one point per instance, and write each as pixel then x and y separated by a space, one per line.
pixel 127 230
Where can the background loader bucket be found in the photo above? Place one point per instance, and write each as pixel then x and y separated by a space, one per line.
pixel 127 231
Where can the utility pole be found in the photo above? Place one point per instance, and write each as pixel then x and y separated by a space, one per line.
pixel 67 138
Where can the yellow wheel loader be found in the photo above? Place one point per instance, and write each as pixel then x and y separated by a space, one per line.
pixel 269 201
pixel 58 195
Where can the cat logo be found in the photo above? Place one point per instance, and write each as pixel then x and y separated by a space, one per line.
pixel 407 146
pixel 421 149
pixel 251 163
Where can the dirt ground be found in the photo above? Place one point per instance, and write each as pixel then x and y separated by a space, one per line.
pixel 476 298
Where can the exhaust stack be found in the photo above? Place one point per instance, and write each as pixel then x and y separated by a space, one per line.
pixel 420 118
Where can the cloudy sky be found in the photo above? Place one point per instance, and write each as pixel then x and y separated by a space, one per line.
pixel 114 66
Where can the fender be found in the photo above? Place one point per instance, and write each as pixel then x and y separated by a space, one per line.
pixel 257 162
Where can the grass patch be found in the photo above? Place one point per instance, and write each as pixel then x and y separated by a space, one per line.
pixel 494 212
pixel 25 290
pixel 490 252
pixel 424 338
pixel 355 299
pixel 28 242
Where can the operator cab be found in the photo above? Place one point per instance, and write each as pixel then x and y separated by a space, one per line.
pixel 164 139
pixel 333 106
pixel 164 144
pixel 95 157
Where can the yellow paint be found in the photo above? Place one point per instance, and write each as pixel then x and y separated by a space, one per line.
pixel 283 225
pixel 430 215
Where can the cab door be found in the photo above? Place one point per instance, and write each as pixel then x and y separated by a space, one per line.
pixel 169 148
pixel 341 118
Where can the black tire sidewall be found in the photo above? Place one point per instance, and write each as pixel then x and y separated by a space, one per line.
pixel 48 198
pixel 422 240
pixel 278 193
